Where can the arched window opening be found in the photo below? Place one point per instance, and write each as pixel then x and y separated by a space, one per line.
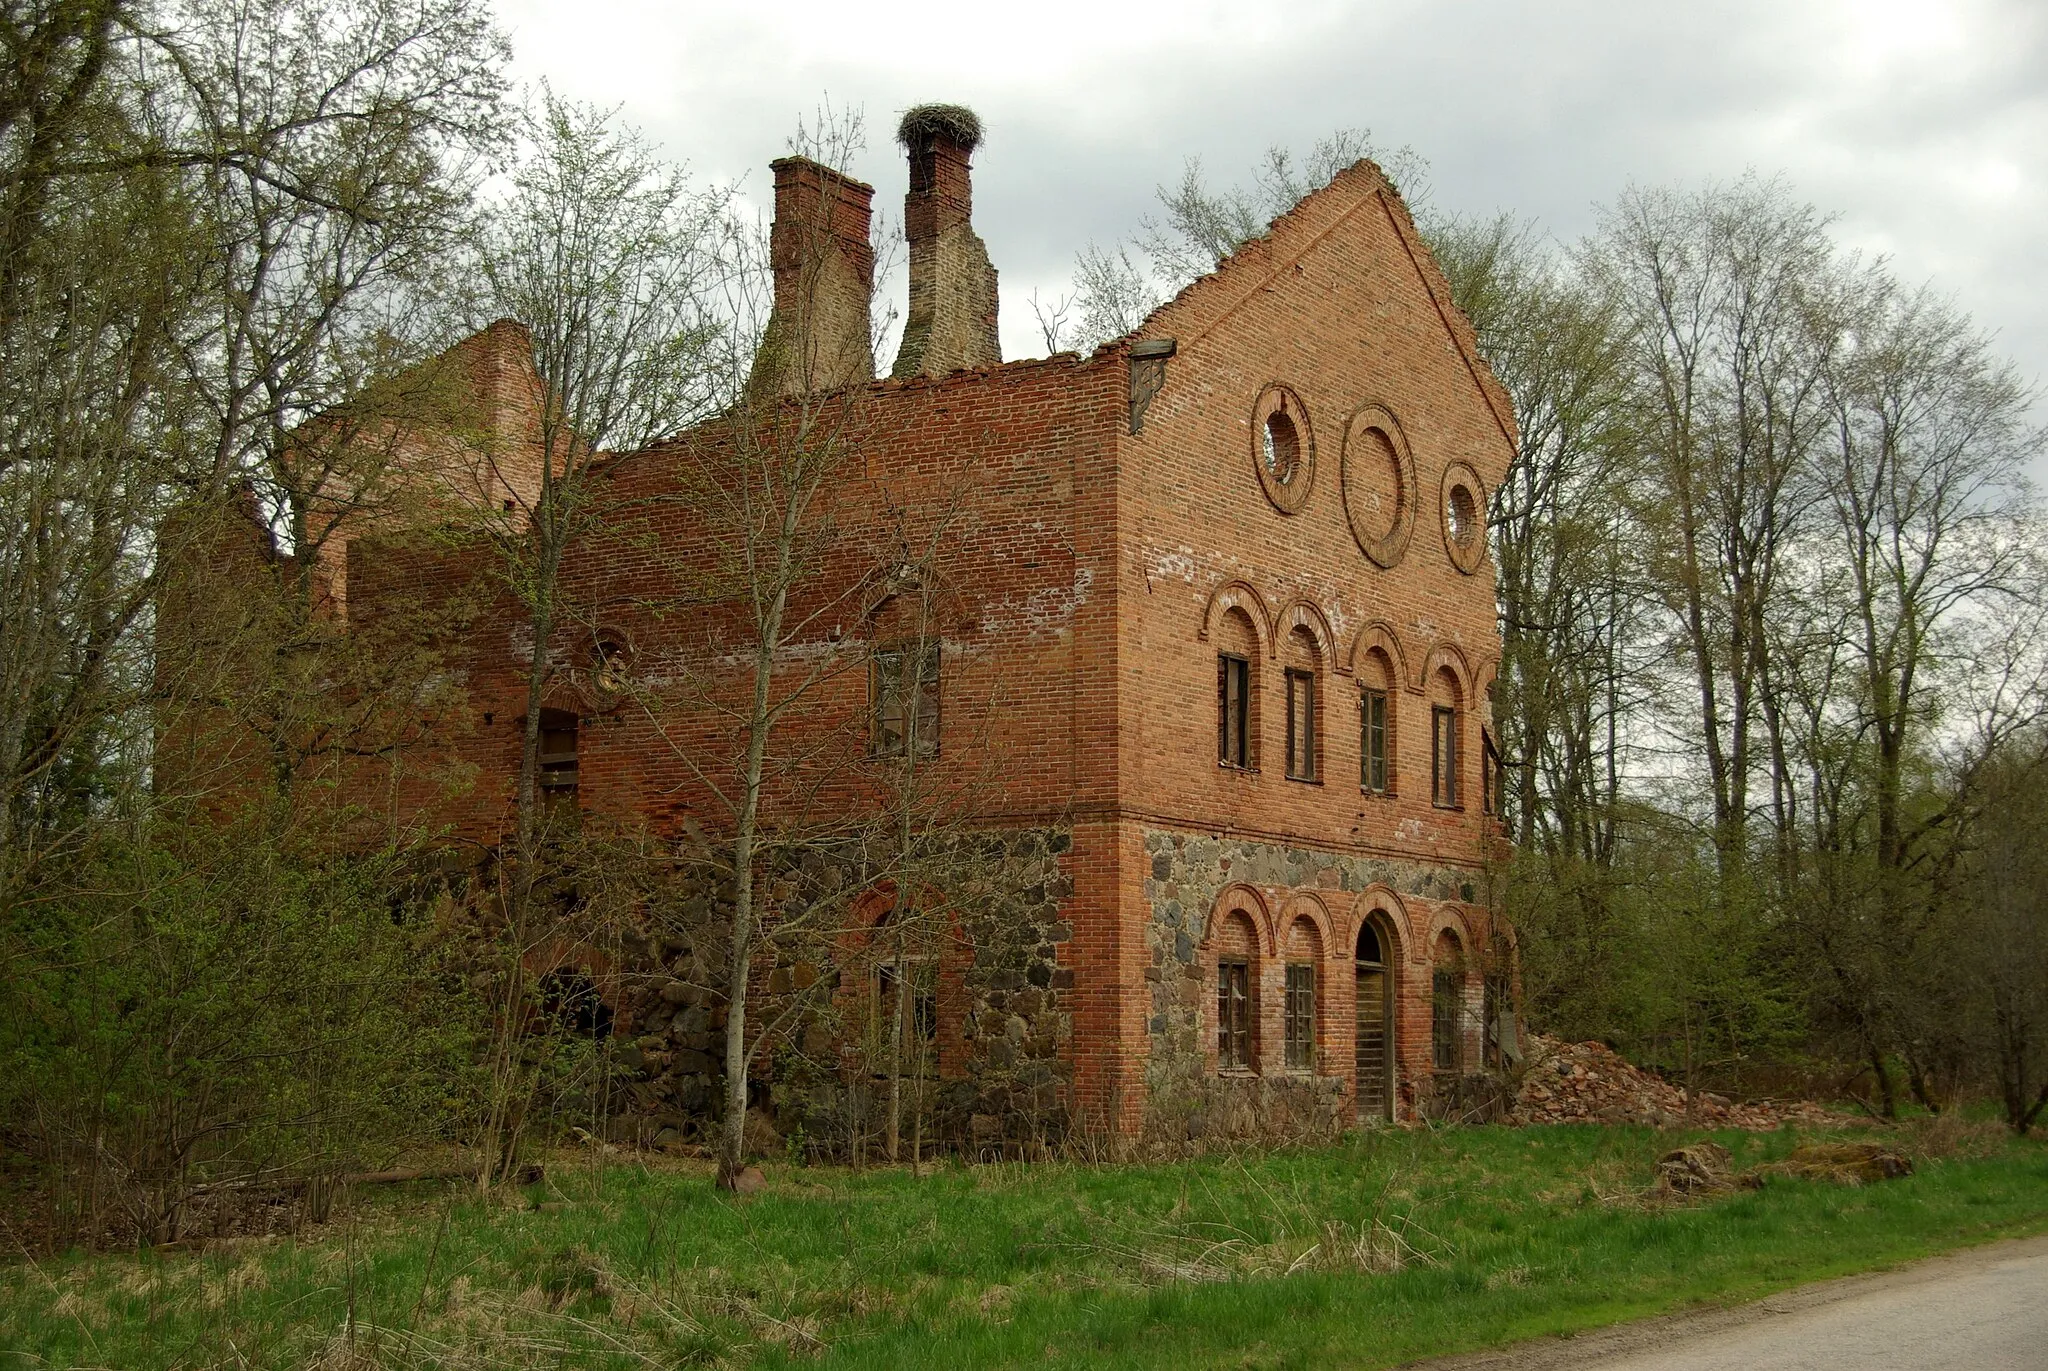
pixel 1375 1025
pixel 1376 726
pixel 903 994
pixel 906 1000
pixel 1446 1019
pixel 1237 712
pixel 569 999
pixel 1444 783
pixel 1236 975
pixel 1298 1009
pixel 1304 668
pixel 904 688
pixel 1492 778
pixel 559 772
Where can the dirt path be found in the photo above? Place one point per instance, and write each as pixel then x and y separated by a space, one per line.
pixel 1985 1309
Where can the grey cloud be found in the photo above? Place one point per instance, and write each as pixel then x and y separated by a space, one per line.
pixel 1547 110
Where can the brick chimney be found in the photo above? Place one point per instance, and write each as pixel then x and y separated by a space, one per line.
pixel 952 319
pixel 819 337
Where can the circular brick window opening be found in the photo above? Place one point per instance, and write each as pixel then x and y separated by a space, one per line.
pixel 1464 531
pixel 1283 450
pixel 1379 485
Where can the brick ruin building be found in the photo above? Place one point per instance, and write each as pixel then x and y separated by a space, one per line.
pixel 1219 610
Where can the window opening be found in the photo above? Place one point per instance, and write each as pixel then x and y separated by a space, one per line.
pixel 1444 758
pixel 559 772
pixel 1301 725
pixel 1300 1016
pixel 1233 1014
pixel 1461 516
pixel 1233 711
pixel 1281 448
pixel 1443 1020
pixel 1492 776
pixel 905 690
pixel 1372 751
pixel 569 997
pixel 1373 1055
pixel 610 663
pixel 917 979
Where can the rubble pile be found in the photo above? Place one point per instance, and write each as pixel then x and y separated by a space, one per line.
pixel 1591 1083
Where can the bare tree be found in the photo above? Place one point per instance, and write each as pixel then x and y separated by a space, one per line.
pixel 609 259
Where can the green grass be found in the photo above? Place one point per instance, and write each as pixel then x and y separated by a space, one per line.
pixel 1391 1246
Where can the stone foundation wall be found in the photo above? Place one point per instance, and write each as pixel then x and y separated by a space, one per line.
pixel 1187 1098
pixel 1002 1075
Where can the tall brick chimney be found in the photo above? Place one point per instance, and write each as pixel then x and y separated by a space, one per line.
pixel 952 319
pixel 820 336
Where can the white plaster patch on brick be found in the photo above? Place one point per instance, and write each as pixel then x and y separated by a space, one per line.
pixel 1047 610
pixel 1175 564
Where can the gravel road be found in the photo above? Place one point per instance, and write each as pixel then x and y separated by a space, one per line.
pixel 1985 1309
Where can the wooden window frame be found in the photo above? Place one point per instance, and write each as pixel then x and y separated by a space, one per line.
pixel 1298 1016
pixel 1375 763
pixel 1302 762
pixel 1234 712
pixel 921 1006
pixel 1443 757
pixel 1234 1017
pixel 1446 1021
pixel 905 720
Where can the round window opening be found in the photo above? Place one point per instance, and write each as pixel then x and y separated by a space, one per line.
pixel 610 667
pixel 1282 448
pixel 1461 516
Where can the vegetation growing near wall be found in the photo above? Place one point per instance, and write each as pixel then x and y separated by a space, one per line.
pixel 1388 1247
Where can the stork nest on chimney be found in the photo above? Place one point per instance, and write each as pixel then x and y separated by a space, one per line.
pixel 925 124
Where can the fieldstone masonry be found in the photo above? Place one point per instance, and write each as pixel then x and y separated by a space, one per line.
pixel 1187 1099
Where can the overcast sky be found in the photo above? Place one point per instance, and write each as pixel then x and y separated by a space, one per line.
pixel 1923 126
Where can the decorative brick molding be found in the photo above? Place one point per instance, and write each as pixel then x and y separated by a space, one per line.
pixel 1462 510
pixel 1283 448
pixel 1379 486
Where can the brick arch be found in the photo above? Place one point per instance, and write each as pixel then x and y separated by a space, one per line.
pixel 1305 905
pixel 1239 595
pixel 1444 653
pixel 1483 677
pixel 1301 613
pixel 868 912
pixel 948 609
pixel 1381 635
pixel 1252 901
pixel 1382 899
pixel 1447 917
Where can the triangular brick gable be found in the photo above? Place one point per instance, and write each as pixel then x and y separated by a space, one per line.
pixel 1361 188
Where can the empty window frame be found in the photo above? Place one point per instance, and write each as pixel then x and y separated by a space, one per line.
pixel 904 686
pixel 1301 724
pixel 559 773
pixel 1445 1049
pixel 1233 711
pixel 1443 757
pixel 1234 1014
pixel 1492 776
pixel 1299 1016
pixel 1374 770
pixel 916 981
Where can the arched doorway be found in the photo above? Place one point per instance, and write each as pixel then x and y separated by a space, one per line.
pixel 1375 1025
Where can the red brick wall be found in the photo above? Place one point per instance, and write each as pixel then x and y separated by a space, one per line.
pixel 1083 585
